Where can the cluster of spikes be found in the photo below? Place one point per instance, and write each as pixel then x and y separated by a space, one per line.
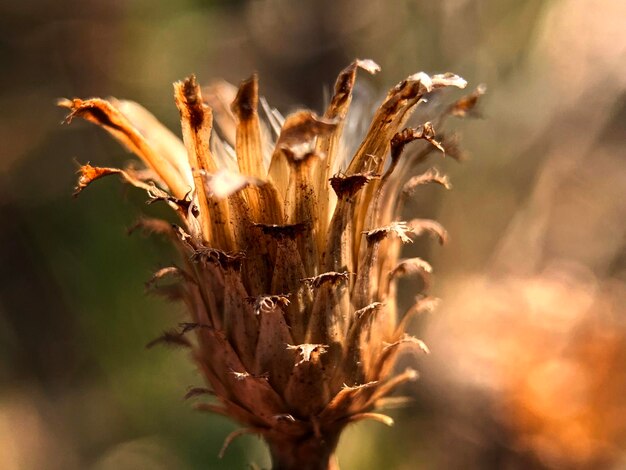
pixel 290 247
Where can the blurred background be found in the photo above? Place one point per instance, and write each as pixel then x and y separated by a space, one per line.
pixel 528 363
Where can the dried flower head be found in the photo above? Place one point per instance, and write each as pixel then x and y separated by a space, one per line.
pixel 290 249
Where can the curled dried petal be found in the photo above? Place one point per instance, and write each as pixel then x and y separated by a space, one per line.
pixel 419 226
pixel 411 266
pixel 174 271
pixel 467 104
pixel 407 339
pixel 431 175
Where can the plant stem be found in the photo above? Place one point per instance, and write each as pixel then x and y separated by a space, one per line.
pixel 312 453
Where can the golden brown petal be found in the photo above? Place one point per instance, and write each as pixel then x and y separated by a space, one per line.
pixel 197 123
pixel 249 145
pixel 106 115
pixel 298 131
pixel 432 227
pixel 328 144
pixel 164 141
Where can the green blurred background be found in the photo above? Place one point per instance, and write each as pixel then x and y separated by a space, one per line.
pixel 544 192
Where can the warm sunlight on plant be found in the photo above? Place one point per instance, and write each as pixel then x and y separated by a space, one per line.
pixel 290 249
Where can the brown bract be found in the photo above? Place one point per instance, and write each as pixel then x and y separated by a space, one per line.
pixel 288 271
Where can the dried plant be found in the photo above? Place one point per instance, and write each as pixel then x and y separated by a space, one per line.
pixel 290 249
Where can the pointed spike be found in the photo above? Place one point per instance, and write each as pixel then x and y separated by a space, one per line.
pixel 432 227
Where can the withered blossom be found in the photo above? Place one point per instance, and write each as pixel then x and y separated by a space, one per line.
pixel 289 249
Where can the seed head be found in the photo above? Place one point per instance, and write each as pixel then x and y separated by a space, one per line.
pixel 289 247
